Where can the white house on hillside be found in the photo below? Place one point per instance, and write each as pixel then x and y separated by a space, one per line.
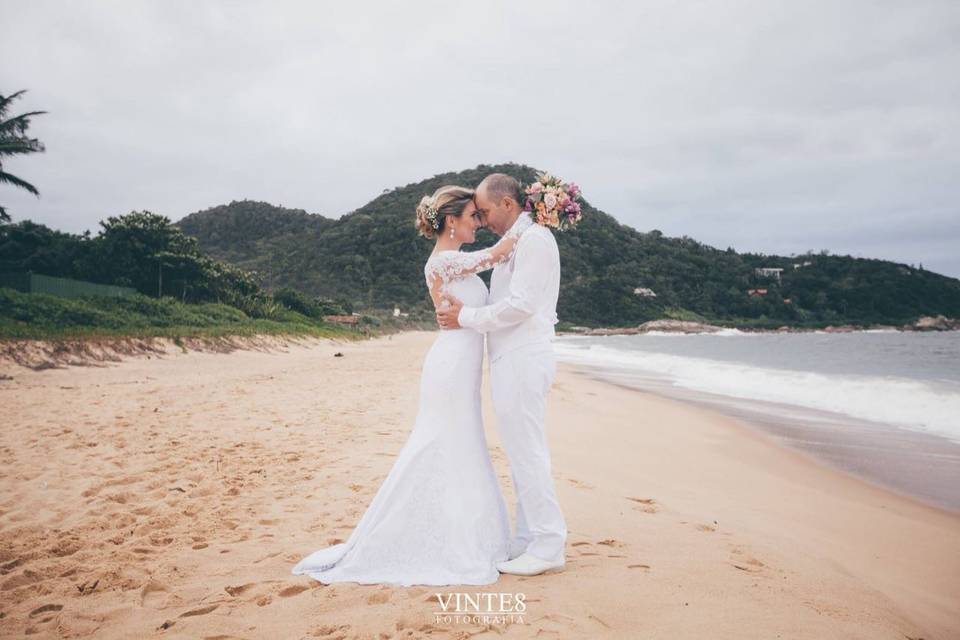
pixel 768 272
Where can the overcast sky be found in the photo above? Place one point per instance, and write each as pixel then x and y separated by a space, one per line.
pixel 762 125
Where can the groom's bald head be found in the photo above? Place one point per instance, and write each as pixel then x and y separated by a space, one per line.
pixel 498 186
pixel 498 201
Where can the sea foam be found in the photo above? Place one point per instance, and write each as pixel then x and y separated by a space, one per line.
pixel 923 405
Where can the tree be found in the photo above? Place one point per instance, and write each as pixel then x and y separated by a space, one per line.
pixel 13 141
pixel 129 250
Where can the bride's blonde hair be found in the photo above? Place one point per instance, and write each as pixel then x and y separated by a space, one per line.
pixel 432 212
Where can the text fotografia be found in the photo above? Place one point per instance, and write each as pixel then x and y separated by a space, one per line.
pixel 480 608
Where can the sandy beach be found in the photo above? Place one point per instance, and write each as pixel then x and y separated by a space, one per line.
pixel 168 495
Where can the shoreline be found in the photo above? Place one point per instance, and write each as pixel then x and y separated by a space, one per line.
pixel 776 430
pixel 822 505
pixel 835 445
pixel 696 328
pixel 179 489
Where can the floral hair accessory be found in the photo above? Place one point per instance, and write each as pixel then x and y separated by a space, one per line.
pixel 553 203
pixel 431 214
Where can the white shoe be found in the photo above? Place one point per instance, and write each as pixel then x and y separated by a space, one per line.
pixel 528 565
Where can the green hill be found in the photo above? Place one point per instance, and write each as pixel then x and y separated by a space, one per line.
pixel 373 257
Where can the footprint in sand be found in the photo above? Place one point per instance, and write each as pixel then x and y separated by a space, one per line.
pixel 239 589
pixel 646 505
pixel 159 540
pixel 267 557
pixel 708 527
pixel 41 611
pixel 751 565
pixel 331 632
pixel 66 546
pixel 47 608
pixel 380 597
pixel 579 484
pixel 292 590
pixel 25 578
pixel 745 562
pixel 153 594
pixel 202 611
pixel 610 542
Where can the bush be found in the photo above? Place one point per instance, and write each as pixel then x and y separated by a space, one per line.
pixel 296 301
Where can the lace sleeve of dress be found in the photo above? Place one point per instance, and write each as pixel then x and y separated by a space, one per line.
pixel 446 266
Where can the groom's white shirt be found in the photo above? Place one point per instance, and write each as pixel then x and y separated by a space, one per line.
pixel 522 305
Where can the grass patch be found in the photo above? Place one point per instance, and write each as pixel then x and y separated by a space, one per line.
pixel 41 316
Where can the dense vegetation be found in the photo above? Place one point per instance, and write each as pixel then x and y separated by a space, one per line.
pixel 373 258
pixel 181 290
pixel 271 264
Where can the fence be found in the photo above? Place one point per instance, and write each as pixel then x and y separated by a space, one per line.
pixel 36 283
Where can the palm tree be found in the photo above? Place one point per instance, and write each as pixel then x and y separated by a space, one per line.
pixel 13 140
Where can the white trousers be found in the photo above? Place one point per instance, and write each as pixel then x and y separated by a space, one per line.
pixel 519 382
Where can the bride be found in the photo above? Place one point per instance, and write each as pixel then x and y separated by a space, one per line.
pixel 439 517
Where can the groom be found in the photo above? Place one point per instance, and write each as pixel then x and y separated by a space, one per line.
pixel 519 326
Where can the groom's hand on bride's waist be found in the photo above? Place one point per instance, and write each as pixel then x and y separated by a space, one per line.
pixel 448 312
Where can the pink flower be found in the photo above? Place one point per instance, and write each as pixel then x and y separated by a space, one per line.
pixel 554 203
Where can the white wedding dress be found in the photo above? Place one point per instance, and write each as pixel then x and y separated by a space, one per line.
pixel 439 518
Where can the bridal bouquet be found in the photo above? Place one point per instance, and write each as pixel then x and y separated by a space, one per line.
pixel 553 203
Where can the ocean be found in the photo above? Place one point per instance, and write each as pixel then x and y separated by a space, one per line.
pixel 884 405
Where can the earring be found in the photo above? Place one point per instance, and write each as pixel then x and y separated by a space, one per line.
pixel 451 232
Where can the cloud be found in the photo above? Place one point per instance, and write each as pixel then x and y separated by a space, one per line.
pixel 766 126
